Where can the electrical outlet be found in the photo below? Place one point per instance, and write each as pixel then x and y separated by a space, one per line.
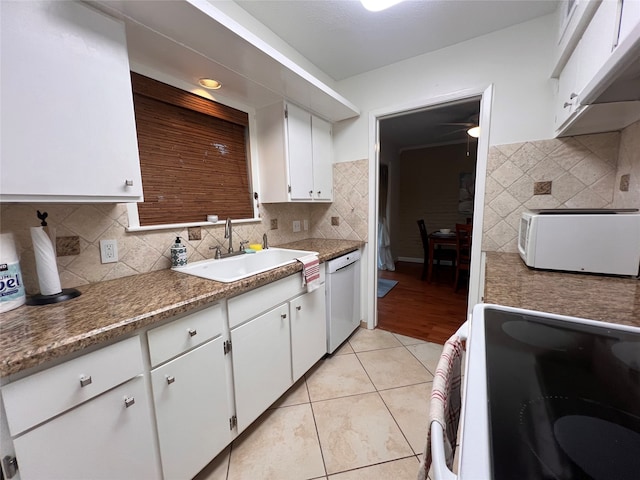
pixel 305 224
pixel 108 251
pixel 296 226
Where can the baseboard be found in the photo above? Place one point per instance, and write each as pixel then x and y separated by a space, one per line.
pixel 410 259
pixel 421 260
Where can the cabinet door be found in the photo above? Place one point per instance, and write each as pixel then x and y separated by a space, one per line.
pixel 100 439
pixel 261 353
pixel 68 128
pixel 300 153
pixel 629 19
pixel 192 409
pixel 308 331
pixel 596 44
pixel 322 159
pixel 567 94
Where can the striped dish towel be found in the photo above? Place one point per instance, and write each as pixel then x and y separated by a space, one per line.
pixel 445 403
pixel 310 272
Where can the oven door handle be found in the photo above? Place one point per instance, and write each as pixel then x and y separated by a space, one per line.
pixel 438 462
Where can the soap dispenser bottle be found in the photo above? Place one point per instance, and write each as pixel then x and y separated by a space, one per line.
pixel 178 254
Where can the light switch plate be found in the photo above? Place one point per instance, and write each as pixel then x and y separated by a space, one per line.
pixel 296 226
pixel 108 251
pixel 305 224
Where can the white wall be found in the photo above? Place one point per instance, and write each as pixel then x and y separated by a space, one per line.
pixel 517 60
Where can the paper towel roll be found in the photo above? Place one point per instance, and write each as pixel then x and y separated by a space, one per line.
pixel 46 265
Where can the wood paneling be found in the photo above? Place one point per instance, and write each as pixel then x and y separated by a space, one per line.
pixel 429 311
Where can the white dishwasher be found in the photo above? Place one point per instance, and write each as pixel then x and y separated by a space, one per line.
pixel 342 286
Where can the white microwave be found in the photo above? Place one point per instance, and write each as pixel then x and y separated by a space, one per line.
pixel 580 240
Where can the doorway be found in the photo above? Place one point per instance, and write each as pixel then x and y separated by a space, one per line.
pixel 441 123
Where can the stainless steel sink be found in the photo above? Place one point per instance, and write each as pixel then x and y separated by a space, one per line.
pixel 236 268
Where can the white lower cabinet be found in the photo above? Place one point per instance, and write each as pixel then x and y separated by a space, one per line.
pixel 192 409
pixel 210 370
pixel 107 437
pixel 261 363
pixel 308 331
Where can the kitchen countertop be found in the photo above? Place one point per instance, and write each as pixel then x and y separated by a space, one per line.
pixel 508 281
pixel 32 335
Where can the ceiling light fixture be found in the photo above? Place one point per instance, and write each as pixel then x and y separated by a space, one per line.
pixel 474 132
pixel 378 5
pixel 210 83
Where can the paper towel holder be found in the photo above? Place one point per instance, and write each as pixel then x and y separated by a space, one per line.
pixel 65 294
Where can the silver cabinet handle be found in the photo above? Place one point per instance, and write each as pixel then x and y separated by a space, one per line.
pixel 85 380
pixel 298 308
pixel 311 193
pixel 128 401
pixel 319 192
pixel 283 316
pixel 572 96
pixel 566 104
pixel 192 332
pixel 128 183
pixel 170 379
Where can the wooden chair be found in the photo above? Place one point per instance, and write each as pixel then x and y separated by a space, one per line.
pixel 463 250
pixel 439 254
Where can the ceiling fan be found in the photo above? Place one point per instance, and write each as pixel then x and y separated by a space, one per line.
pixel 472 127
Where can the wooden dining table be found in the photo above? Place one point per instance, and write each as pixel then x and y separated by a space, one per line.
pixel 438 239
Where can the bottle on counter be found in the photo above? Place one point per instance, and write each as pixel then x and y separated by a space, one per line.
pixel 12 293
pixel 178 254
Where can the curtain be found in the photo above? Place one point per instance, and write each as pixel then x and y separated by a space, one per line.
pixel 385 259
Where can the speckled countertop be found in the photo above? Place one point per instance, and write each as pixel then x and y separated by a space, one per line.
pixel 508 281
pixel 30 335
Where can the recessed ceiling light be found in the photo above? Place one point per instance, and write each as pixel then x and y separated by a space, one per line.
pixel 210 83
pixel 474 132
pixel 378 5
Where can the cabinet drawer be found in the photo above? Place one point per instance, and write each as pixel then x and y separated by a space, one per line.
pixel 40 396
pixel 174 338
pixel 253 303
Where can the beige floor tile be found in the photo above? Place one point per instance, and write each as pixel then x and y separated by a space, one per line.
pixel 404 469
pixel 217 468
pixel 296 395
pixel 280 445
pixel 364 339
pixel 338 376
pixel 410 408
pixel 428 354
pixel 393 367
pixel 351 438
pixel 343 349
pixel 408 340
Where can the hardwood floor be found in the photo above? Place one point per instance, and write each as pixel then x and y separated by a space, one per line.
pixel 429 311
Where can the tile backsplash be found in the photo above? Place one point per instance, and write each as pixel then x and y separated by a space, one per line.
pixel 140 252
pixel 582 172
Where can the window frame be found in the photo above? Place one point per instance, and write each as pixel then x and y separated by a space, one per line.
pixel 252 156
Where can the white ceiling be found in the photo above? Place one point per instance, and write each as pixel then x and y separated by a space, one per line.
pixel 343 39
pixel 188 39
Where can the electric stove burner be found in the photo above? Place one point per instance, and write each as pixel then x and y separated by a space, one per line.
pixel 539 335
pixel 564 399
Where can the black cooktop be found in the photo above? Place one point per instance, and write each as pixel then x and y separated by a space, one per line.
pixel 564 399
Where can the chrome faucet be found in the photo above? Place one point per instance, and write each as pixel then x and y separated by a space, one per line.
pixel 265 243
pixel 228 233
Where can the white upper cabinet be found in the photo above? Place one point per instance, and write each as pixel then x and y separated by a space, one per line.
pixel 295 155
pixel 594 86
pixel 629 19
pixel 68 126
pixel 590 54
